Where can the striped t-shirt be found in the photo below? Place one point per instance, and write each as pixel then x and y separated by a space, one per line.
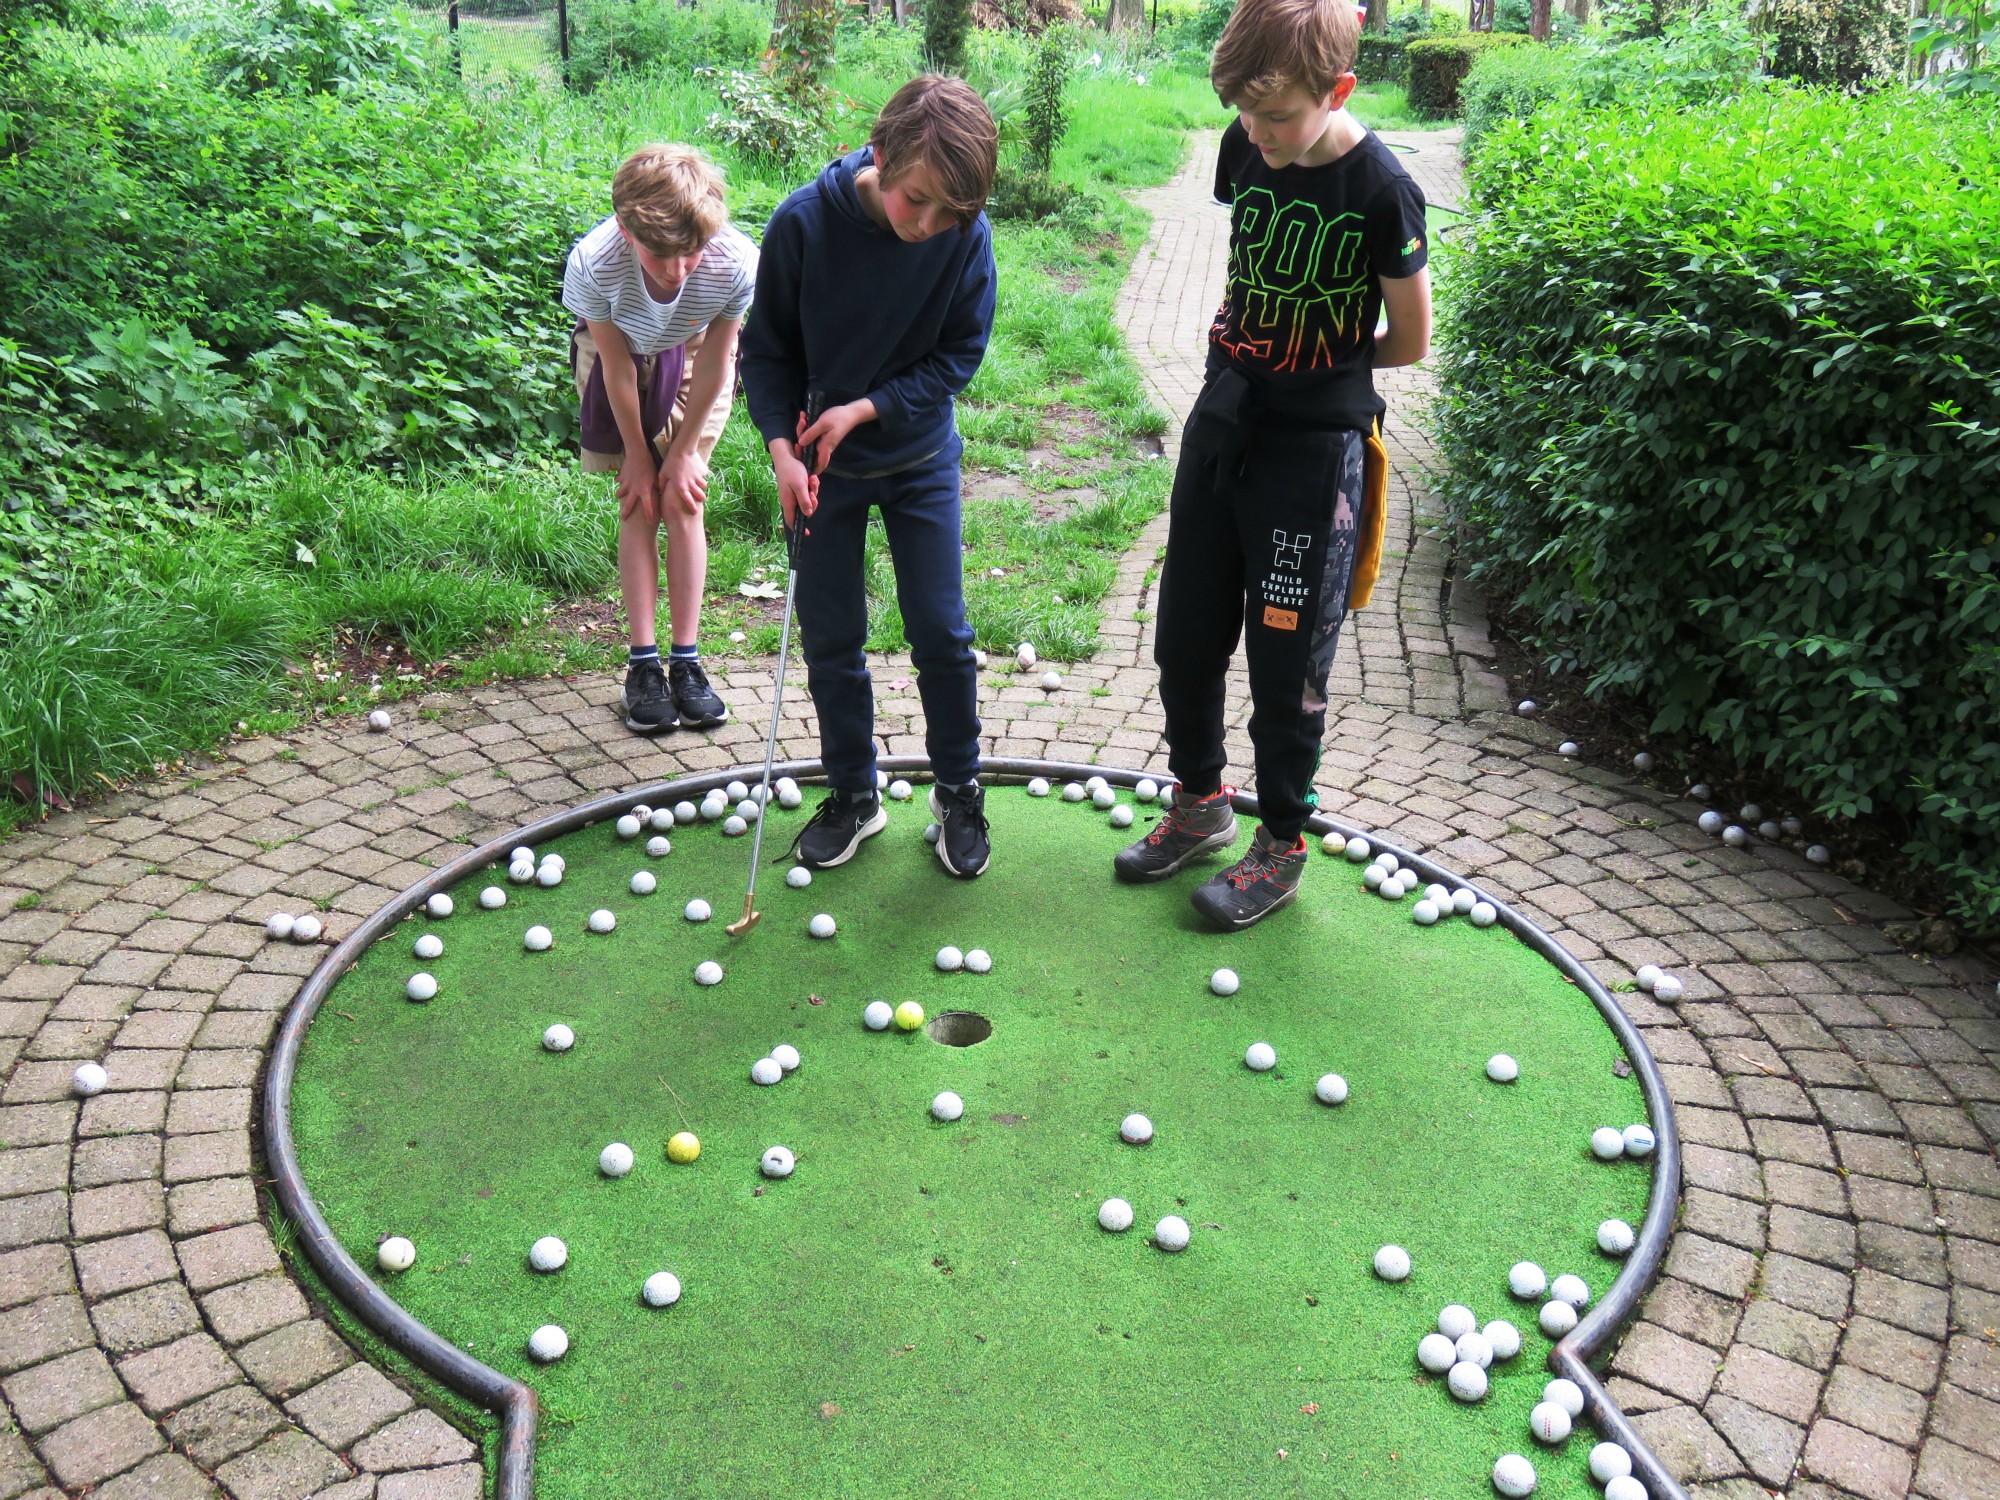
pixel 603 282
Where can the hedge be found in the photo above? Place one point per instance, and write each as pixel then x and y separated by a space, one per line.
pixel 1722 415
pixel 1380 60
pixel 1438 64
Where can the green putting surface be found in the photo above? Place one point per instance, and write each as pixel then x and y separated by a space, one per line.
pixel 928 1309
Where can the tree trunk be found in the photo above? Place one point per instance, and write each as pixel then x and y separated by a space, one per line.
pixel 1127 15
pixel 900 9
pixel 1538 19
pixel 1479 15
pixel 1578 8
pixel 1378 16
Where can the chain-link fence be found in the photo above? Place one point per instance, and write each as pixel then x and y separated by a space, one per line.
pixel 494 36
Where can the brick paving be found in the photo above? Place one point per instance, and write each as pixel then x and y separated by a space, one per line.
pixel 1826 1326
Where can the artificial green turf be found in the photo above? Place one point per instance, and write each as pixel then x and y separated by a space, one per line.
pixel 929 1308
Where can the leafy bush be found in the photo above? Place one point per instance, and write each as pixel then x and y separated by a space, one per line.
pixel 946 25
pixel 1516 15
pixel 1408 25
pixel 1511 83
pixel 1438 65
pixel 312 46
pixel 1380 60
pixel 613 36
pixel 1845 43
pixel 760 122
pixel 1958 42
pixel 1047 119
pixel 1720 416
pixel 1705 54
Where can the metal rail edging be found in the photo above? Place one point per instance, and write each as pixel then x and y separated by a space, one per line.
pixel 515 1402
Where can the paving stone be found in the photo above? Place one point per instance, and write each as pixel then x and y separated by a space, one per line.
pixel 1902 1252
pixel 33 1220
pixel 215 1203
pixel 460 1482
pixel 1768 1445
pixel 167 1477
pixel 106 1267
pixel 172 1375
pixel 1723 1269
pixel 227 1255
pixel 298 1355
pixel 1857 1461
pixel 1777 1385
pixel 422 1439
pixel 1893 1353
pixel 241 1312
pixel 1875 1156
pixel 1805 1187
pixel 218 1427
pixel 283 1467
pixel 48 1395
pixel 349 1405
pixel 144 1319
pixel 121 1208
pixel 1949 1472
pixel 1667 1362
pixel 93 1447
pixel 1969 1420
pixel 117 1158
pixel 363 1488
pixel 1816 1289
pixel 1790 1333
pixel 222 1153
pixel 1892 1412
pixel 1687 1445
pixel 39 1331
pixel 1814 1237
pixel 1737 1221
pixel 20 1470
pixel 34 1272
pixel 1974 1364
pixel 1907 1304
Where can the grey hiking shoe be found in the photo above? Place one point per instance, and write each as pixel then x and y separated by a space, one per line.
pixel 1191 827
pixel 1261 882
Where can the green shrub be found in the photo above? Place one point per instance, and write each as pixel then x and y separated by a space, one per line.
pixel 947 24
pixel 1511 83
pixel 1847 44
pixel 312 46
pixel 1720 416
pixel 1438 65
pixel 1047 118
pixel 614 36
pixel 1517 15
pixel 1408 25
pixel 1380 60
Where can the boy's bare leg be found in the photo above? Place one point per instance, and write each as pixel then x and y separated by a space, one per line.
pixel 687 573
pixel 639 577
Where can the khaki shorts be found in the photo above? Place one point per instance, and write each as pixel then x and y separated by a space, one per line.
pixel 583 359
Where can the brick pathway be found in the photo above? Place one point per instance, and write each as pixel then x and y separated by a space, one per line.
pixel 1827 1323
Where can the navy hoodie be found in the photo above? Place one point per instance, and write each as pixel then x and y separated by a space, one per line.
pixel 846 307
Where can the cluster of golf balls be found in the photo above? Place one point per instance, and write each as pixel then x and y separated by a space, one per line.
pixel 1388 877
pixel 1666 988
pixel 780 1063
pixel 879 1015
pixel 951 960
pixel 1462 1351
pixel 1736 832
pixel 1171 1234
pixel 1567 1296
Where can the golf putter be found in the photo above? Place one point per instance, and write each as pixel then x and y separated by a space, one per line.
pixel 815 402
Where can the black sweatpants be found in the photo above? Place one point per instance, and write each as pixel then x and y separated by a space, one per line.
pixel 1266 515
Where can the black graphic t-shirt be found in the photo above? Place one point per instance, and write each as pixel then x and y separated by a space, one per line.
pixel 1309 248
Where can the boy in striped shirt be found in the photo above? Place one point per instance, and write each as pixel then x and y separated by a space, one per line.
pixel 659 290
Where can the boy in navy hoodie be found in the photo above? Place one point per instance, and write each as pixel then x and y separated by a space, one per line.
pixel 875 292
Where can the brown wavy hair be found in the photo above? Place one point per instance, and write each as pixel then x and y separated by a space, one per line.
pixel 1270 45
pixel 669 198
pixel 943 124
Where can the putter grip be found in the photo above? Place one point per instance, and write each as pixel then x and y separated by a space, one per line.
pixel 815 406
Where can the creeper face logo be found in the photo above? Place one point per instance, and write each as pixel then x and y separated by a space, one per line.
pixel 1291 550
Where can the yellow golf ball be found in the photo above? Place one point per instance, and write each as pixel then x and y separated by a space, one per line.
pixel 909 1016
pixel 683 1147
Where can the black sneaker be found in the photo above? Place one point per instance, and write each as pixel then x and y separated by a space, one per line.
pixel 837 829
pixel 1261 882
pixel 1190 827
pixel 646 702
pixel 694 699
pixel 963 845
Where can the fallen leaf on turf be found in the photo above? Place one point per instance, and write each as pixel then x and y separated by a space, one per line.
pixel 814 1000
pixel 1311 1408
pixel 760 591
pixel 829 1409
pixel 1284 1453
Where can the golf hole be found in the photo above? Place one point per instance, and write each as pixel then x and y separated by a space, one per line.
pixel 960 1028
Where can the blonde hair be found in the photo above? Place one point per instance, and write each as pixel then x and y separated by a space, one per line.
pixel 940 123
pixel 669 198
pixel 1270 45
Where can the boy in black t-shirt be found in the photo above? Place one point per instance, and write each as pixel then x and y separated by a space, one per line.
pixel 1277 504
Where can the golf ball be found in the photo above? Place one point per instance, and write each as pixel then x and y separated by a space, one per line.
pixel 548 1254
pixel 881 779
pixel 736 791
pixel 1607 1143
pixel 1565 1393
pixel 737 637
pixel 1467 1381
pixel 1639 1141
pixel 947 1107
pixel 1388 862
pixel 790 796
pixel 697 910
pixel 1024 656
pixel 1608 1461
pixel 1147 789
pixel 521 871
pixel 683 1146
pixel 777 1162
pixel 555 860
pixel 1331 1089
pixel 1392 1263
pixel 430 945
pixel 1121 816
pixel 949 959
pixel 1115 1214
pixel 1503 1338
pixel 1171 1233
pixel 549 876
pixel 1768 831
pixel 1439 897
pixel 1527 708
pixel 641 811
pixel 1557 1318
pixel 734 826
pixel 708 972
pixel 662 1289
pixel 379 720
pixel 1436 1353
pixel 1791 828
pixel 1513 1476
pixel 278 925
pixel 749 810
pixel 522 854
pixel 1482 914
pixel 1392 889
pixel 1073 792
pixel 1357 848
pixel 1261 1057
pixel 1374 877
pixel 1819 854
pixel 439 905
pixel 686 812
pixel 421 987
pixel 537 939
pixel 395 1254
pixel 1463 900
pixel 1051 680
pixel 615 1160
pixel 558 1038
pixel 660 820
pixel 306 929
pixel 1527 1280
pixel 1473 1349
pixel 1643 762
pixel 1424 914
pixel 1103 797
pixel 1571 1289
pixel 1455 1321
pixel 1735 837
pixel 1038 787
pixel 713 807
pixel 493 898
pixel 798 877
pixel 1615 1237
pixel 89 1079
pixel 1669 989
pixel 1502 1069
pixel 602 920
pixel 643 883
pixel 979 660
pixel 1096 784
pixel 548 1344
pixel 1568 749
pixel 765 1071
pixel 909 1016
pixel 978 961
pixel 822 926
pixel 899 790
pixel 878 1015
pixel 1224 982
pixel 1135 1130
pixel 1624 1487
pixel 1647 976
pixel 629 827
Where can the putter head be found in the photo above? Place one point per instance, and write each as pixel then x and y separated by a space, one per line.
pixel 744 923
